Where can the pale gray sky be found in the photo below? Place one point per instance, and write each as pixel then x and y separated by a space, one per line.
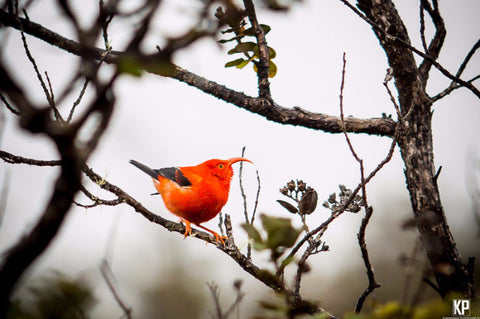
pixel 163 122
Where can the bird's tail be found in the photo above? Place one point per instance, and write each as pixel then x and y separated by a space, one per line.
pixel 145 168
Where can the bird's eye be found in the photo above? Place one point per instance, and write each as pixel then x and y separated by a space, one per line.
pixel 220 165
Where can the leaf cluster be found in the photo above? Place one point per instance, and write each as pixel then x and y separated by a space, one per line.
pixel 235 19
pixel 280 234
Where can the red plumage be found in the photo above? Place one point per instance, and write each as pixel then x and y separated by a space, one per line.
pixel 196 194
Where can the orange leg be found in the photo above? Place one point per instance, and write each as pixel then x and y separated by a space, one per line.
pixel 217 236
pixel 188 231
pixel 188 228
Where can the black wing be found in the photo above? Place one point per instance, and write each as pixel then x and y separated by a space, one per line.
pixel 144 168
pixel 171 173
pixel 174 174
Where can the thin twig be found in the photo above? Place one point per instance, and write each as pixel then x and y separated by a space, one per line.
pixel 78 100
pixel 237 285
pixel 97 201
pixel 49 97
pixel 422 25
pixel 107 274
pixel 8 105
pixel 372 284
pixel 342 117
pixel 392 98
pixel 214 291
pixel 244 197
pixel 216 299
pixel 453 86
pixel 105 23
pixel 468 57
pixel 242 190
pixel 428 58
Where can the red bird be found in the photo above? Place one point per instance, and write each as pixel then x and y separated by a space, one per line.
pixel 196 194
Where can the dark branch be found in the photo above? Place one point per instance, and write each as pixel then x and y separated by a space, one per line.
pixel 453 86
pixel 14 159
pixel 261 106
pixel 392 38
pixel 263 64
pixel 283 115
pixel 436 43
pixel 230 249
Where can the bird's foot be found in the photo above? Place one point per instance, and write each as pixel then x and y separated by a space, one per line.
pixel 217 236
pixel 188 228
pixel 221 238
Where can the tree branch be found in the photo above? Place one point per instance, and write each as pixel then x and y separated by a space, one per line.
pixel 230 250
pixel 261 106
pixel 372 283
pixel 72 158
pixel 416 145
pixel 453 85
pixel 383 35
pixel 263 64
pixel 437 41
pixel 15 159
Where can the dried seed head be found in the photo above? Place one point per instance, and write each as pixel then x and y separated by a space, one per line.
pixel 291 186
pixel 302 186
pixel 284 191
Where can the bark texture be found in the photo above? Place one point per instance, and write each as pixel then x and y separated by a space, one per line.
pixel 416 145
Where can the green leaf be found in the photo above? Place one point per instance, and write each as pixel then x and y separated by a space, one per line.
pixel 131 66
pixel 230 40
pixel 271 53
pixel 251 31
pixel 235 62
pixel 243 47
pixel 254 234
pixel 266 28
pixel 286 261
pixel 272 70
pixel 242 65
pixel 292 209
pixel 280 232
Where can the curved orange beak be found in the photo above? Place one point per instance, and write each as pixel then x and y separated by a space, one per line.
pixel 238 159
